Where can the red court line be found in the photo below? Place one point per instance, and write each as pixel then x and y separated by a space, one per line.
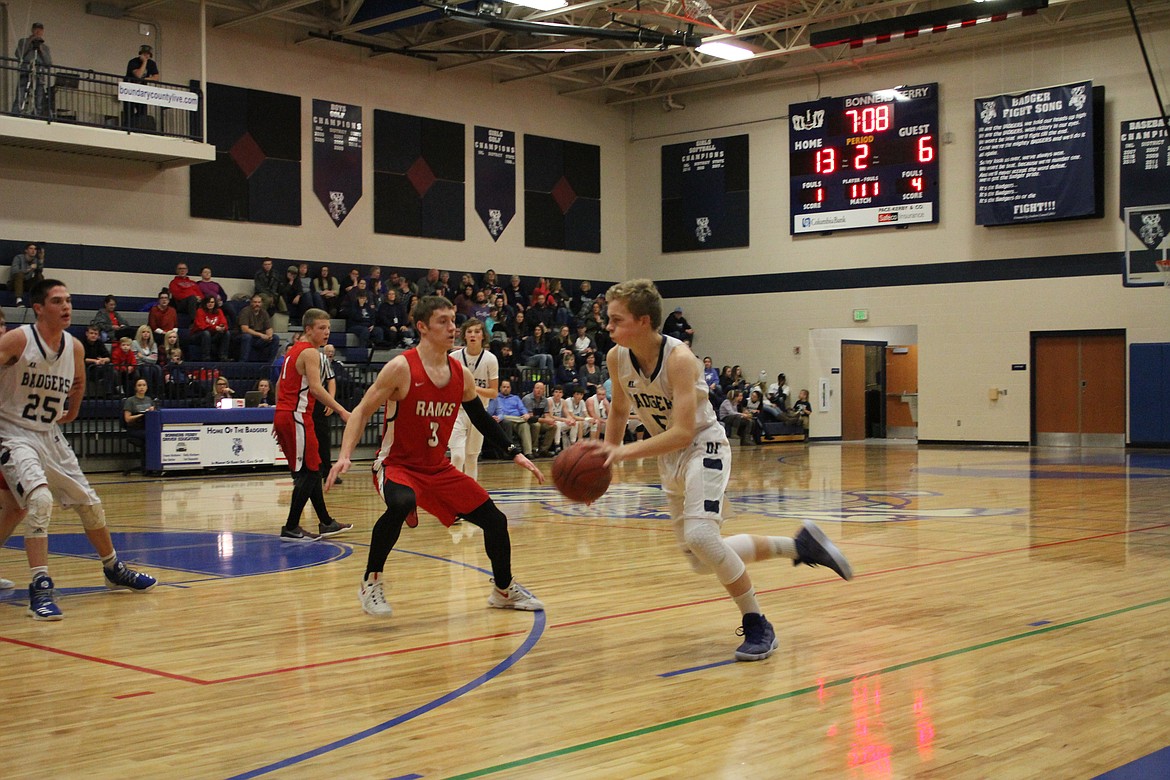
pixel 133 695
pixel 582 621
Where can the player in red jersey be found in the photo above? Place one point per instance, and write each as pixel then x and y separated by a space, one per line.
pixel 298 390
pixel 423 390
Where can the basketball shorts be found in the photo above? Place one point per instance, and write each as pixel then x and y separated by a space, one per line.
pixel 446 494
pixel 29 459
pixel 695 480
pixel 297 439
pixel 465 437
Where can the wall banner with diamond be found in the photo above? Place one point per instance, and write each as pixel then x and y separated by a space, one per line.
pixel 705 194
pixel 419 176
pixel 337 157
pixel 495 178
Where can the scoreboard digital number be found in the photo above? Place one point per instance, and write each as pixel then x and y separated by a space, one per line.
pixel 866 160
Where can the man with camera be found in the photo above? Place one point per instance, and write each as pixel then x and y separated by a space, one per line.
pixel 35 61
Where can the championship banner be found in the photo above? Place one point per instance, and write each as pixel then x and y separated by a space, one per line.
pixel 495 178
pixel 1145 163
pixel 705 194
pixel 337 157
pixel 1034 156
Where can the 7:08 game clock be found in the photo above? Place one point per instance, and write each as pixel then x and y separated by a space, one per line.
pixel 865 160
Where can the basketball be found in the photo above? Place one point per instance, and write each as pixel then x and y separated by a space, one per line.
pixel 580 473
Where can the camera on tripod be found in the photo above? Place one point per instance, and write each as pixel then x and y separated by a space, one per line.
pixel 35 43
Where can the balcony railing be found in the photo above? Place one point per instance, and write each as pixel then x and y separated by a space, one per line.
pixel 85 97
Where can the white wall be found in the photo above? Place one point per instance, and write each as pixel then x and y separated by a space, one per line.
pixel 74 199
pixel 968 334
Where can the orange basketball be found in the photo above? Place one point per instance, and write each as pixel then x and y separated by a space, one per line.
pixel 580 473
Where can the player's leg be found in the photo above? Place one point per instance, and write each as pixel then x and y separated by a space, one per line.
pixel 498 545
pixel 294 433
pixel 474 447
pixel 24 475
pixel 11 513
pixel 400 503
pixel 810 546
pixel 458 441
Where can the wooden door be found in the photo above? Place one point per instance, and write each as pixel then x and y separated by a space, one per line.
pixel 853 376
pixel 902 392
pixel 1078 389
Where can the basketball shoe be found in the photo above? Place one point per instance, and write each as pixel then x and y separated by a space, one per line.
pixel 297 534
pixel 6 584
pixel 122 577
pixel 759 640
pixel 516 596
pixel 813 548
pixel 42 603
pixel 373 596
pixel 332 528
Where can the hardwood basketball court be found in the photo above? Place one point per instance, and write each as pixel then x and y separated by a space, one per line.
pixel 1008 619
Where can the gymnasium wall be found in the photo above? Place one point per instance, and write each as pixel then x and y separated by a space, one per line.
pixel 973 294
pixel 90 201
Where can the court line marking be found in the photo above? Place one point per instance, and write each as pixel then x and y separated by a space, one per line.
pixel 566 624
pixel 639 732
pixel 538 626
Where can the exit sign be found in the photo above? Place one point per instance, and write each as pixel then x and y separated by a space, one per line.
pixel 860 315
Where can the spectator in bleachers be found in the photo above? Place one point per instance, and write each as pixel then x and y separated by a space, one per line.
pixel 539 312
pixel 210 331
pixel 110 323
pixel 267 285
pixel 581 301
pixel 464 302
pixel 534 352
pixel 329 289
pixel 490 285
pixel 736 422
pixel 146 356
pixel 481 308
pixel 125 363
pixel 405 287
pixel 738 381
pixel 544 429
pixel 579 411
pixel 676 325
pixel 520 330
pixel 517 294
pixel 565 424
pixel 507 363
pixel 779 392
pixel 429 284
pixel 170 341
pixel 754 407
pixel 361 285
pixel 294 302
pixel 566 344
pixel 582 343
pixel 134 409
pixel 375 284
pixel 349 284
pixel 176 382
pixel 184 292
pixel 264 388
pixel 162 317
pixel 508 410
pixel 99 373
pixel 595 324
pixel 566 373
pixel 539 292
pixel 802 409
pixel 26 271
pixel 591 375
pixel 361 320
pixel 444 288
pixel 310 298
pixel 725 380
pixel 257 340
pixel 35 62
pixel 391 318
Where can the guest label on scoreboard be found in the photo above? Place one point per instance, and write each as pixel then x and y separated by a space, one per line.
pixel 867 160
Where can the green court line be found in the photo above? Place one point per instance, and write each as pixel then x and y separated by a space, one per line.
pixel 670 724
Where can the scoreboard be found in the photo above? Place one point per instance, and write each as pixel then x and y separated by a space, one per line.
pixel 865 160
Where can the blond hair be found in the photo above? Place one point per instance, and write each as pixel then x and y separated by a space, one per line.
pixel 641 298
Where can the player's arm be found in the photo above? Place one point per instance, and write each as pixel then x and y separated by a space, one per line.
pixel 309 364
pixel 77 389
pixel 390 385
pixel 619 405
pixel 491 429
pixel 331 388
pixel 12 344
pixel 683 370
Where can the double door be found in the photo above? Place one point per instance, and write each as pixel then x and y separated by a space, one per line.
pixel 1078 389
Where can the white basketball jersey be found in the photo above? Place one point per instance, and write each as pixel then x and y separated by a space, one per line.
pixel 484 368
pixel 35 387
pixel 650 391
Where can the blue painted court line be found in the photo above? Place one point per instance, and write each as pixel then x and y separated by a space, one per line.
pixel 1040 623
pixel 538 625
pixel 1154 765
pixel 406 777
pixel 677 672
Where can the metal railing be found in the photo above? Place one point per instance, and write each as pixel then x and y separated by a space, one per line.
pixel 84 97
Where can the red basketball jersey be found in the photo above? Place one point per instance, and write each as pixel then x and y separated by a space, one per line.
pixel 292 391
pixel 419 426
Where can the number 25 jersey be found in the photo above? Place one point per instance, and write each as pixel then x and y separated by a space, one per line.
pixel 652 394
pixel 419 426
pixel 35 387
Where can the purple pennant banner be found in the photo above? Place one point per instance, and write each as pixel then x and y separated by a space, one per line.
pixel 495 178
pixel 337 157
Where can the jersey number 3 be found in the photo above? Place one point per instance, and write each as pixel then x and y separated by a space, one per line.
pixel 434 440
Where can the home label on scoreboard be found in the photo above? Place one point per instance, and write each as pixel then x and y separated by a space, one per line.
pixel 867 160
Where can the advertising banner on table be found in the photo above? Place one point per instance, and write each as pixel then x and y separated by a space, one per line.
pixel 705 194
pixel 157 96
pixel 1034 156
pixel 203 445
pixel 337 157
pixel 495 178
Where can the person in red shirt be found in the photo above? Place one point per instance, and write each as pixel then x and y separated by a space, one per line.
pixel 210 329
pixel 125 363
pixel 162 317
pixel 185 294
pixel 298 391
pixel 423 390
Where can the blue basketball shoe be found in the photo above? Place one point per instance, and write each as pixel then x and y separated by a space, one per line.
pixel 759 640
pixel 122 577
pixel 813 548
pixel 42 603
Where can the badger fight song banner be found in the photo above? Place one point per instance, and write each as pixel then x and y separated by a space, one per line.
pixel 337 157
pixel 495 178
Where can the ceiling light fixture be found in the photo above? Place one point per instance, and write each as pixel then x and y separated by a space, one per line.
pixel 725 51
pixel 541 5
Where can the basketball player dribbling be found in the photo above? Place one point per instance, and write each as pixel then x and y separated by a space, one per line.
pixel 662 380
pixel 42 380
pixel 422 390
